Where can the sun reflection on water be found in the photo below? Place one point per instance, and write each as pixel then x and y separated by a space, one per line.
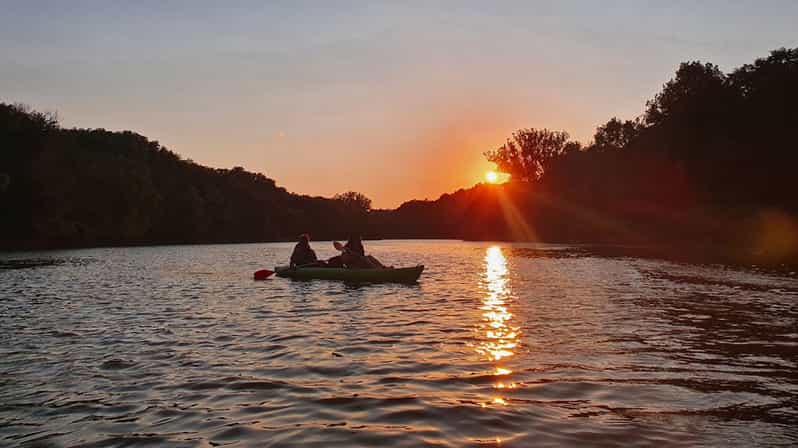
pixel 499 339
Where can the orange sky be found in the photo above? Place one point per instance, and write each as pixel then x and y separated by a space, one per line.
pixel 394 100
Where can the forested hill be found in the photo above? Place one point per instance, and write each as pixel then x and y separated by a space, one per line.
pixel 87 187
pixel 710 163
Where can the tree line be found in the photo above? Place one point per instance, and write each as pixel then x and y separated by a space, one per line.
pixel 710 162
pixel 88 187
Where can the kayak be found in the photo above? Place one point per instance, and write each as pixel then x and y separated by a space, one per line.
pixel 397 275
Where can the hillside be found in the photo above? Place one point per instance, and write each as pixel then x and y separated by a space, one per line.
pixel 710 164
pixel 89 187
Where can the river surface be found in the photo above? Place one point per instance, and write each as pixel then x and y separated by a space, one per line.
pixel 497 345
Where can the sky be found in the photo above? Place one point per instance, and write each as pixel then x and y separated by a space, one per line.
pixel 396 100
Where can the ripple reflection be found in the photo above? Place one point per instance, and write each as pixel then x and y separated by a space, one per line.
pixel 138 348
pixel 498 337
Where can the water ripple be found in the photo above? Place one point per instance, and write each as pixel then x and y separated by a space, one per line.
pixel 498 345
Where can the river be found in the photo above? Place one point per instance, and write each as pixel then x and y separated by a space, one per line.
pixel 497 345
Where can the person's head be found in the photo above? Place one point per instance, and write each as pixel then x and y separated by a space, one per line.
pixel 354 237
pixel 304 239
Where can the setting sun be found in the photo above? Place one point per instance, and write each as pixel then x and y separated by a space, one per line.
pixel 494 177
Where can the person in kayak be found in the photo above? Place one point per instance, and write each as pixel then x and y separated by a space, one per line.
pixel 353 255
pixel 303 254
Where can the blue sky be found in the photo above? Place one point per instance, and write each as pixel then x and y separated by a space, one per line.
pixel 397 100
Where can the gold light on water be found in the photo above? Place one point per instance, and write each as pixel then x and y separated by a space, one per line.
pixel 502 371
pixel 499 337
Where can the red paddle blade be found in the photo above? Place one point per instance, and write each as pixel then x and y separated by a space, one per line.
pixel 263 274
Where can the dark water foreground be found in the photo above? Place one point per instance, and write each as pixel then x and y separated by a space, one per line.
pixel 498 345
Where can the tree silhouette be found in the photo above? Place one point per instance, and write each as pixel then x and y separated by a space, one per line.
pixel 525 155
pixel 616 134
pixel 696 87
pixel 84 187
pixel 710 159
pixel 354 200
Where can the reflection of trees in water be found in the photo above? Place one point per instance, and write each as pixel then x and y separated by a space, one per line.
pixel 730 336
pixel 27 263
pixel 695 255
pixel 704 323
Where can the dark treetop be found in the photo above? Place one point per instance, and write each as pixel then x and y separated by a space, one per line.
pixel 709 163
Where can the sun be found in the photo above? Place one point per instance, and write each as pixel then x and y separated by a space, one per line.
pixel 492 177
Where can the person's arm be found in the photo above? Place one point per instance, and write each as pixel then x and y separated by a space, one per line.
pixel 342 247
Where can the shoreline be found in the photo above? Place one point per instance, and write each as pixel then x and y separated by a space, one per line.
pixel 684 252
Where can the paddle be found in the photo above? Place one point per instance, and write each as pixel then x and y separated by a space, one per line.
pixel 263 274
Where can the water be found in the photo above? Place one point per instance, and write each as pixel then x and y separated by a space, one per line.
pixel 497 345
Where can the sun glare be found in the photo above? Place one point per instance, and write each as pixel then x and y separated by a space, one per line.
pixel 495 177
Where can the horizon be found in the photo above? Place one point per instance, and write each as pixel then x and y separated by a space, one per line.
pixel 204 245
pixel 412 93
